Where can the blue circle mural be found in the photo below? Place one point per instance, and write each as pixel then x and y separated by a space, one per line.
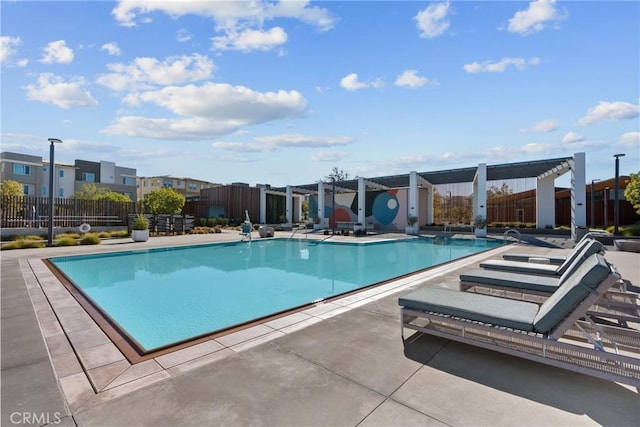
pixel 386 207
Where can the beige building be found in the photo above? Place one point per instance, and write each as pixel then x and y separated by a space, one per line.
pixel 188 187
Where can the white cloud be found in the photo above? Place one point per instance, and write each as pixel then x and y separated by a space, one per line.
pixel 183 35
pixel 351 83
pixel 275 142
pixel 630 140
pixel 8 47
pixel 410 79
pixel 543 126
pixel 298 140
pixel 146 73
pixel 610 111
pixel 535 17
pixel 111 48
pixel 572 137
pixel 432 21
pixel 207 111
pixel 240 23
pixel 54 90
pixel 328 156
pixel 57 52
pixel 500 66
pixel 250 40
pixel 22 62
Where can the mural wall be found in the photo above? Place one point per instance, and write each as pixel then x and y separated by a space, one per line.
pixel 387 210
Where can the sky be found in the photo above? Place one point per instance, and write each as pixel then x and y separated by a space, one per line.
pixel 282 92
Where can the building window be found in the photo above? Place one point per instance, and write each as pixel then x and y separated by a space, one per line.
pixel 26 189
pixel 167 183
pixel 127 180
pixel 61 173
pixel 193 186
pixel 88 177
pixel 44 190
pixel 61 192
pixel 19 169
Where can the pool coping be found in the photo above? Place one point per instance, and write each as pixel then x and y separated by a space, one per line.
pixel 90 368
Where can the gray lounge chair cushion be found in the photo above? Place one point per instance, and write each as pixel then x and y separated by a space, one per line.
pixel 483 308
pixel 572 292
pixel 553 260
pixel 507 279
pixel 583 250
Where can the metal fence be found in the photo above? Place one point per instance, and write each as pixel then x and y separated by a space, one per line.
pixel 30 211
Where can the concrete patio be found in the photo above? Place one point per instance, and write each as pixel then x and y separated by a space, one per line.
pixel 340 363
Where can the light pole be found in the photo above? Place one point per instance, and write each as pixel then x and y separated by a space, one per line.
pixel 51 167
pixel 616 200
pixel 593 202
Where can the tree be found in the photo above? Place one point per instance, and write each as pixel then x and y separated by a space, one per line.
pixel 163 201
pixel 337 175
pixel 494 191
pixel 11 188
pixel 93 192
pixel 632 192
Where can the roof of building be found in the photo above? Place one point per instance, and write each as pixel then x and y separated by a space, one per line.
pixel 451 176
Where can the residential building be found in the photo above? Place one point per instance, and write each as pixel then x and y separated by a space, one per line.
pixel 23 168
pixel 33 174
pixel 106 175
pixel 188 187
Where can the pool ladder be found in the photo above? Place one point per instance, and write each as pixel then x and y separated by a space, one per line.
pixel 296 230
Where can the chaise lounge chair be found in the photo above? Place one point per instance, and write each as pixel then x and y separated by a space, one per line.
pixel 582 251
pixel 529 330
pixel 617 303
pixel 546 259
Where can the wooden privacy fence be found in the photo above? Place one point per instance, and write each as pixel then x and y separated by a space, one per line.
pixel 30 211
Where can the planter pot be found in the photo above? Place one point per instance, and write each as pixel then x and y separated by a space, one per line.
pixel 480 232
pixel 140 235
pixel 411 229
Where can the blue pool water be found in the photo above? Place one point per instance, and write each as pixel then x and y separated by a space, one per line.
pixel 163 296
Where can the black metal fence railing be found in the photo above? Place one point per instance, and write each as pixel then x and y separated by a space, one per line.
pixel 31 211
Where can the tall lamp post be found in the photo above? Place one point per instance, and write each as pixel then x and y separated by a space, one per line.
pixel 52 141
pixel 593 202
pixel 616 200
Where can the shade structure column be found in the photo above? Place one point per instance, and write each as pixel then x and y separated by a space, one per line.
pixel 289 205
pixel 545 201
pixel 480 191
pixel 413 194
pixel 578 194
pixel 320 212
pixel 362 192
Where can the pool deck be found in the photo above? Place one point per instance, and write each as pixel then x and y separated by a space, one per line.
pixel 338 363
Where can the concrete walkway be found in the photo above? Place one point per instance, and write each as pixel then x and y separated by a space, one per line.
pixel 350 369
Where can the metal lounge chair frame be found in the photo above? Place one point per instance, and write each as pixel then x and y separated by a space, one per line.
pixel 604 360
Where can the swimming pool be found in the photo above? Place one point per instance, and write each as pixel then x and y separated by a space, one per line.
pixel 160 297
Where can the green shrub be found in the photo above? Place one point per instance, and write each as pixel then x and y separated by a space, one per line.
pixel 22 244
pixel 65 241
pixel 90 239
pixel 140 223
pixel 69 235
